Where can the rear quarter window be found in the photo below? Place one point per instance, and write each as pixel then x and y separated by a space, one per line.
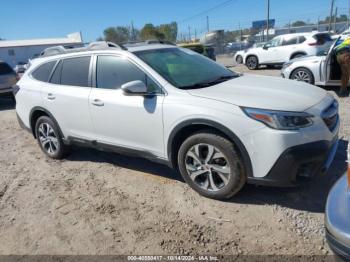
pixel 5 69
pixel 43 72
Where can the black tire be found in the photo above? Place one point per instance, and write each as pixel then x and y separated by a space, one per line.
pixel 303 75
pixel 297 55
pixel 252 62
pixel 235 176
pixel 53 141
pixel 239 59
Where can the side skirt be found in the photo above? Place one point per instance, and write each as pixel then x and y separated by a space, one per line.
pixel 115 149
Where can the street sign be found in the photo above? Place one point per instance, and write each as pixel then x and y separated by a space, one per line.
pixel 262 24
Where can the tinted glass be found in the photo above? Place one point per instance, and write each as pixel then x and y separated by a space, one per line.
pixel 290 41
pixel 56 76
pixel 75 71
pixel 112 72
pixel 302 39
pixel 184 68
pixel 5 69
pixel 323 38
pixel 42 73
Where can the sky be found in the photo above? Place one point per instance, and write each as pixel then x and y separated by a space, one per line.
pixel 21 19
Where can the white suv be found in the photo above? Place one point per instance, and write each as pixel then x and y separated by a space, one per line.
pixel 283 48
pixel 169 104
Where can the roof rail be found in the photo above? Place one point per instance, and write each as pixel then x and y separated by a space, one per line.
pixel 148 42
pixel 98 45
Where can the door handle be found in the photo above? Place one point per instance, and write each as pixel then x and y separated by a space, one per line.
pixel 98 102
pixel 50 96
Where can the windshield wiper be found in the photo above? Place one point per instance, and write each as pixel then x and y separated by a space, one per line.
pixel 210 83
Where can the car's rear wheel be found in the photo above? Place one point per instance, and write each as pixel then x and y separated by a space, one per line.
pixel 239 59
pixel 252 63
pixel 210 164
pixel 49 138
pixel 303 75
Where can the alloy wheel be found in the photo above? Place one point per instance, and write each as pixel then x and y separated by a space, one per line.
pixel 208 167
pixel 48 138
pixel 251 63
pixel 302 76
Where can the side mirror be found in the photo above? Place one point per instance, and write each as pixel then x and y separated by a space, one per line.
pixel 135 88
pixel 266 47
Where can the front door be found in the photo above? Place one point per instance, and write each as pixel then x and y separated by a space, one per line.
pixel 130 121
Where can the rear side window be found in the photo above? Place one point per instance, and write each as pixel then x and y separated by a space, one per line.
pixel 5 69
pixel 302 39
pixel 290 41
pixel 42 73
pixel 73 71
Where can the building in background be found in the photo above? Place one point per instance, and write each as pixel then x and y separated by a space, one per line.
pixel 14 52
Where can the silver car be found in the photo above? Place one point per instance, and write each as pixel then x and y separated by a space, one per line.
pixel 321 70
pixel 338 215
pixel 8 78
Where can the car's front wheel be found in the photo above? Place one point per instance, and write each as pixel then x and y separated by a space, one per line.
pixel 303 75
pixel 210 164
pixel 49 138
pixel 252 63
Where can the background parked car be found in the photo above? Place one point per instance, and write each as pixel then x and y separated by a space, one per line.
pixel 321 70
pixel 206 50
pixel 338 215
pixel 20 68
pixel 283 48
pixel 240 55
pixel 8 78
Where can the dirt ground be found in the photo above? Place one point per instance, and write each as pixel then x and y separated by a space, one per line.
pixel 97 203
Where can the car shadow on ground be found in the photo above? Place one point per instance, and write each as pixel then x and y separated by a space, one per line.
pixel 128 162
pixel 7 104
pixel 310 196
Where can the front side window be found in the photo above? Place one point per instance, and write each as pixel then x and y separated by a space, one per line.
pixel 184 68
pixel 112 72
pixel 42 73
pixel 75 71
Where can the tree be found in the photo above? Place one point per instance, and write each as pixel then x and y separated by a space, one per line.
pixel 169 31
pixel 149 31
pixel 119 34
pixel 299 23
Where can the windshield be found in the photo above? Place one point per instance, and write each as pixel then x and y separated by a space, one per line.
pixel 184 68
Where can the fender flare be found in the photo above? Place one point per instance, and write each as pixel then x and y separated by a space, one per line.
pixel 234 138
pixel 39 108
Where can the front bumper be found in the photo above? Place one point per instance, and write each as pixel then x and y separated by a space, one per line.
pixel 6 91
pixel 338 247
pixel 306 160
pixel 337 218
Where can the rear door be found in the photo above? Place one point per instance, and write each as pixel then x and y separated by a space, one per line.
pixel 67 94
pixel 327 65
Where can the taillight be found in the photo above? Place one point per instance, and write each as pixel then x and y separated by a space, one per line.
pixel 313 44
pixel 15 89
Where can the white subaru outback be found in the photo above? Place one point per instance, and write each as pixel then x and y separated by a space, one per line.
pixel 219 128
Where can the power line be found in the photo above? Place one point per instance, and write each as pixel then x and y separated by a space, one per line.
pixel 206 11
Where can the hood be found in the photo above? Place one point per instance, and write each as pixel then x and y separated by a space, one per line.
pixel 307 58
pixel 264 92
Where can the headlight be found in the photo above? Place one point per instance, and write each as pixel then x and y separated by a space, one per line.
pixel 279 119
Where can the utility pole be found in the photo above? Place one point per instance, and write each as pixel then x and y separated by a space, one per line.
pixel 268 21
pixel 189 33
pixel 195 34
pixel 318 24
pixel 207 23
pixel 330 16
pixel 132 31
pixel 335 20
pixel 289 26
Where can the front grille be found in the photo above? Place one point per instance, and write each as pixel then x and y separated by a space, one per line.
pixel 330 115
